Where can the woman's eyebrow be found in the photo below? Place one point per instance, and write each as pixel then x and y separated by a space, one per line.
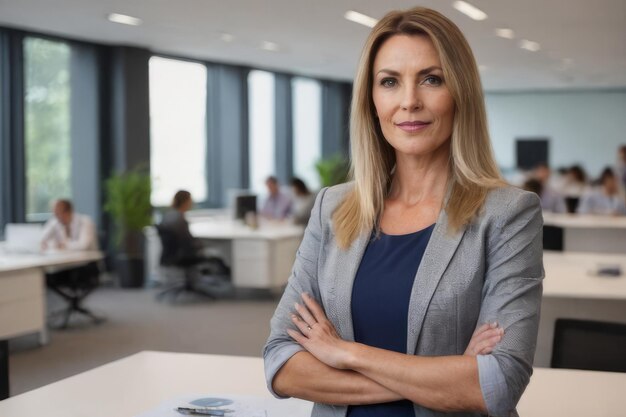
pixel 421 72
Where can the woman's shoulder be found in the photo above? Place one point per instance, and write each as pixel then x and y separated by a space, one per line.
pixel 508 200
pixel 332 196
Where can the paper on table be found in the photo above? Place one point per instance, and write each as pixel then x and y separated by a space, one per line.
pixel 243 406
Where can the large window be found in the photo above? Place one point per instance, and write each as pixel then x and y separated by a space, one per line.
pixel 262 129
pixel 177 129
pixel 307 129
pixel 46 124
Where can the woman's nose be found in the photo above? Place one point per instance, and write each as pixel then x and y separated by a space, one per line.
pixel 410 99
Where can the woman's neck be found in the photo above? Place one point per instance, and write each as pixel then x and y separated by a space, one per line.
pixel 419 179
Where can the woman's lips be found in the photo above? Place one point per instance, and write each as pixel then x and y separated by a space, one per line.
pixel 412 126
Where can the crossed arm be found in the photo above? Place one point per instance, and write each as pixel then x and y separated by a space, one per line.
pixel 334 371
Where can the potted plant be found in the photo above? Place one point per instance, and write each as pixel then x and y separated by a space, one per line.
pixel 333 170
pixel 128 203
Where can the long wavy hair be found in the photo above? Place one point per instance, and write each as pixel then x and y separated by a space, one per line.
pixel 473 170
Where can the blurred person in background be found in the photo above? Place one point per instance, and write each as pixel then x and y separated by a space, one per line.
pixel 605 198
pixel 551 199
pixel 303 201
pixel 278 205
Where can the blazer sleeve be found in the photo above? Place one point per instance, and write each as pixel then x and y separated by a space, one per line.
pixel 512 294
pixel 280 346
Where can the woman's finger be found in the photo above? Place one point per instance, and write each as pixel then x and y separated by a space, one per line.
pixel 481 329
pixel 297 336
pixel 489 343
pixel 314 307
pixel 303 326
pixel 304 313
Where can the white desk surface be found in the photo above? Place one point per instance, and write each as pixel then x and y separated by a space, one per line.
pixel 141 382
pixel 232 229
pixel 13 262
pixel 568 275
pixel 584 221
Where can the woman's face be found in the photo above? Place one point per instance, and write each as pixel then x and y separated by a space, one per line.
pixel 412 102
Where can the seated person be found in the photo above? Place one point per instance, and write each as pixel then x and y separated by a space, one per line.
pixel 605 199
pixel 187 250
pixel 551 200
pixel 303 201
pixel 69 230
pixel 278 205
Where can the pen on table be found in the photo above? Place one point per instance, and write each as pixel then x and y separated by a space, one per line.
pixel 204 411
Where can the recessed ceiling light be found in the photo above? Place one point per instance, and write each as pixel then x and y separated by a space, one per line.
pixel 505 33
pixel 269 46
pixel 360 18
pixel 124 19
pixel 469 10
pixel 529 45
pixel 226 37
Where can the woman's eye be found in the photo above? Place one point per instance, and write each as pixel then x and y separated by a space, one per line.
pixel 388 82
pixel 433 80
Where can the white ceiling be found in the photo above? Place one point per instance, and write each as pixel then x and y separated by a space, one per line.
pixel 316 40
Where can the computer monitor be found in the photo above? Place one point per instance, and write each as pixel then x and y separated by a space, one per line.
pixel 244 204
pixel 23 237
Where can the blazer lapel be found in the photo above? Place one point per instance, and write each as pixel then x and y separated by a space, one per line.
pixel 437 256
pixel 346 266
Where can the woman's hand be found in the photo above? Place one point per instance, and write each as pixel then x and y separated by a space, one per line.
pixel 318 335
pixel 484 339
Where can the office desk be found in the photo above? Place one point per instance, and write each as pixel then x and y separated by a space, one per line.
pixel 259 258
pixel 139 383
pixel 589 233
pixel 570 291
pixel 23 297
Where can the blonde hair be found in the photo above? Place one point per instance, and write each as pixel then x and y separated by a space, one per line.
pixel 473 170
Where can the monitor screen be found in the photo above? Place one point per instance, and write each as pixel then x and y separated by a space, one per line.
pixel 244 204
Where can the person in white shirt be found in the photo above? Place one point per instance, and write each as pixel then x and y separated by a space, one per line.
pixel 69 230
pixel 605 199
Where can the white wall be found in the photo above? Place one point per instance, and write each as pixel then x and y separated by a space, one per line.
pixel 583 127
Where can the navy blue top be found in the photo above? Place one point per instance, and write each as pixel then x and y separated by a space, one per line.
pixel 380 303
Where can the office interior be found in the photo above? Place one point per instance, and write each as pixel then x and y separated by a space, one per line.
pixel 215 97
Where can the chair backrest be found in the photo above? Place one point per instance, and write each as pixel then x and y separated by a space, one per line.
pixel 552 238
pixel 169 245
pixel 589 345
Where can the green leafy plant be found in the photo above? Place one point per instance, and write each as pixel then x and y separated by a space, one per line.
pixel 128 203
pixel 333 170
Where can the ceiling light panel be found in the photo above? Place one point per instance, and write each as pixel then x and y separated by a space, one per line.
pixel 529 45
pixel 469 10
pixel 124 19
pixel 360 18
pixel 505 33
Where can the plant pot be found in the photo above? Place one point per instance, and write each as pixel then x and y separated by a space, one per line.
pixel 130 271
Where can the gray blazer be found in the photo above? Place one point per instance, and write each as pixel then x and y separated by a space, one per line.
pixel 491 270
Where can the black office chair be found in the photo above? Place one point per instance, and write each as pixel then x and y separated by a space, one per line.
pixel 74 285
pixel 553 238
pixel 589 345
pixel 195 271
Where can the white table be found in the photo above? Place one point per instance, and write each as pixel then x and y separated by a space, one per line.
pixel 590 233
pixel 141 382
pixel 23 295
pixel 571 291
pixel 259 258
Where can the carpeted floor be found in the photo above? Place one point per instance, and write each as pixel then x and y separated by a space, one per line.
pixel 136 322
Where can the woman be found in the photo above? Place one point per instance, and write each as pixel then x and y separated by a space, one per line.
pixel 606 198
pixel 397 269
pixel 303 201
